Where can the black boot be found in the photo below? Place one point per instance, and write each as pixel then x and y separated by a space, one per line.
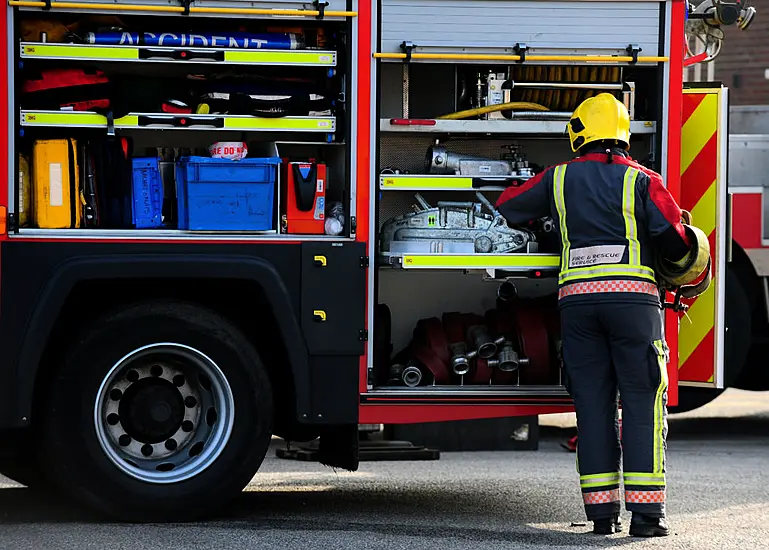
pixel 646 526
pixel 607 526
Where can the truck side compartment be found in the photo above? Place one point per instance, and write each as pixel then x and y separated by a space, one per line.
pixel 465 304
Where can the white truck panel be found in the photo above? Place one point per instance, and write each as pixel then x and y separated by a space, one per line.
pixel 546 27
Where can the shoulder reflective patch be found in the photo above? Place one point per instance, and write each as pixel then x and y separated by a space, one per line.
pixel 593 255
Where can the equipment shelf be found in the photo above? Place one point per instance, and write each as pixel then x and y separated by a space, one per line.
pixel 137 121
pixel 507 262
pixel 194 55
pixel 430 182
pixel 540 127
pixel 468 391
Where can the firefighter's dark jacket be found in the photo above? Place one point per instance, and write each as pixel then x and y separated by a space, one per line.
pixel 607 201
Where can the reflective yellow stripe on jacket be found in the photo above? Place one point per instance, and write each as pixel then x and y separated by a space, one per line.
pixel 633 268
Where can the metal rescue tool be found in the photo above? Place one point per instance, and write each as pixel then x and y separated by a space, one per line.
pixel 452 227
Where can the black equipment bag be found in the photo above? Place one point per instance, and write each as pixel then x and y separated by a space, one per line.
pixel 107 183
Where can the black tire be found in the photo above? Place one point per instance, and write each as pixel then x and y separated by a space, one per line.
pixel 739 324
pixel 75 460
pixel 690 398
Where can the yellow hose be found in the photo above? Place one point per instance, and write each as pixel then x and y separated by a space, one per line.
pixel 493 108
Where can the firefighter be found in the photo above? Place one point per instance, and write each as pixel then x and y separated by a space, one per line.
pixel 613 216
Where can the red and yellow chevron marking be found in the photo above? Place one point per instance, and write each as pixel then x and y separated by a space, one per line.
pixel 700 169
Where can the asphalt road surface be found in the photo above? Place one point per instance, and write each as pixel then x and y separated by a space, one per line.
pixel 718 498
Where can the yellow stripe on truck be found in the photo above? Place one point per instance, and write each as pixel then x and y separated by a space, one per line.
pixel 693 329
pixel 704 212
pixel 698 130
pixel 697 355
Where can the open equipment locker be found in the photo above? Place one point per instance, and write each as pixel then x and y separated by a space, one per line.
pixel 318 138
pixel 423 78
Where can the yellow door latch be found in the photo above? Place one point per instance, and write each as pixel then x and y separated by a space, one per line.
pixel 319 261
pixel 319 315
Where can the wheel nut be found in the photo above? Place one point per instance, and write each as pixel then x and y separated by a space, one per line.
pixel 113 419
pixel 187 426
pixel 179 380
pixel 124 440
pixel 147 449
pixel 171 444
pixel 132 376
pixel 156 370
pixel 190 401
pixel 116 394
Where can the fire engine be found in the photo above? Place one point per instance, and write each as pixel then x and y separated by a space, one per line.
pixel 229 220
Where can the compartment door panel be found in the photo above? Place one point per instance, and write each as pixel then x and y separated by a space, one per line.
pixel 704 150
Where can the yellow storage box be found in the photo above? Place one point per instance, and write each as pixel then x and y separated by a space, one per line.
pixel 56 200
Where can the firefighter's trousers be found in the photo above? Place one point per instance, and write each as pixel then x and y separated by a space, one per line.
pixel 609 347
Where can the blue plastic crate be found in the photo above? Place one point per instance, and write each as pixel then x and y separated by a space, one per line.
pixel 221 194
pixel 147 193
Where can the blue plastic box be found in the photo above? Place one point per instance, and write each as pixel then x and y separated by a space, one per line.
pixel 147 193
pixel 221 194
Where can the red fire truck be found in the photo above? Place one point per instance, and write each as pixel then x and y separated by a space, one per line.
pixel 228 220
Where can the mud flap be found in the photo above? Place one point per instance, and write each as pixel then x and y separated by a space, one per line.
pixel 339 447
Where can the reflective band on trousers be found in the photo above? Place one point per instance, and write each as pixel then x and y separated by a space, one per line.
pixel 640 478
pixel 633 268
pixel 620 285
pixel 645 497
pixel 599 480
pixel 601 497
pixel 660 422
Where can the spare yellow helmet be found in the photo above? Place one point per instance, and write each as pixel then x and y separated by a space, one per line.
pixel 599 118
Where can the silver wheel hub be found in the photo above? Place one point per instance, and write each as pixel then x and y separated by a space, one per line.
pixel 164 413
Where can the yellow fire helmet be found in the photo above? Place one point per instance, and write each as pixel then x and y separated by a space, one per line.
pixel 680 275
pixel 599 118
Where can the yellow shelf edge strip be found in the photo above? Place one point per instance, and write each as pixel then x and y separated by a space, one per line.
pixel 481 261
pixel 43 118
pixel 510 57
pixel 82 51
pixel 395 182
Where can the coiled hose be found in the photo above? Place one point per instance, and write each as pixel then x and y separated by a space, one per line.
pixel 493 108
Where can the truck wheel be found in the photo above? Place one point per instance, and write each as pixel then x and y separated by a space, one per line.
pixel 161 412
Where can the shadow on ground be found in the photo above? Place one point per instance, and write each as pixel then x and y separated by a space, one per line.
pixel 391 513
pixel 688 428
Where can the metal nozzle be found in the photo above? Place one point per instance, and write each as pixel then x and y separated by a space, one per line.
pixel 484 345
pixel 460 358
pixel 411 376
pixel 508 360
pixel 507 291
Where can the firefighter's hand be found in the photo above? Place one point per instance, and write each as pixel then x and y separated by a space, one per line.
pixel 686 217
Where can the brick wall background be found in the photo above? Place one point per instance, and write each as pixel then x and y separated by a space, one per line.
pixel 744 60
